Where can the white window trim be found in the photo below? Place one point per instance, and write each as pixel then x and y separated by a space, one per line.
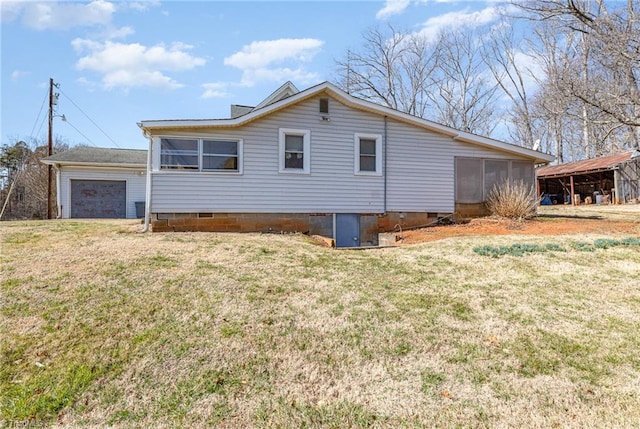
pixel 306 150
pixel 199 170
pixel 356 154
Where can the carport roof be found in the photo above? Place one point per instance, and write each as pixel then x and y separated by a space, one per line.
pixel 593 165
pixel 99 156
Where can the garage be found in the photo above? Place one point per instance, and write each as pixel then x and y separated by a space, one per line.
pixel 98 199
pixel 99 182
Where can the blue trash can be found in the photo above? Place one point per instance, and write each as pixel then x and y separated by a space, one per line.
pixel 140 209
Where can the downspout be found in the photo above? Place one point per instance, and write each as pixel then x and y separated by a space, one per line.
pixel 147 196
pixel 58 196
pixel 384 165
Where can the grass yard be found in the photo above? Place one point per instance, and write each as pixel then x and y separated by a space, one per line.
pixel 101 326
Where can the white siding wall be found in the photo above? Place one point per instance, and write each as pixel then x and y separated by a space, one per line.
pixel 136 183
pixel 420 169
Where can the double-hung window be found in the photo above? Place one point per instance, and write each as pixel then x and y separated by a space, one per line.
pixel 294 151
pixel 210 155
pixel 368 154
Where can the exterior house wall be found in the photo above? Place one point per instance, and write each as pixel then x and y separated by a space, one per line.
pixel 135 178
pixel 420 168
pixel 331 186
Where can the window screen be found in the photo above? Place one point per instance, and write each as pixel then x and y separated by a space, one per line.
pixel 468 180
pixel 522 171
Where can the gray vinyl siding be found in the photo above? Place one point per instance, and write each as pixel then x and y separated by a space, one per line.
pixel 331 186
pixel 420 168
pixel 136 183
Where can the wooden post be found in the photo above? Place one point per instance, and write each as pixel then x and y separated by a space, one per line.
pixel 573 192
pixel 615 197
pixel 50 147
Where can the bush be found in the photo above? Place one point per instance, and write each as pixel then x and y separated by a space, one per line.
pixel 513 200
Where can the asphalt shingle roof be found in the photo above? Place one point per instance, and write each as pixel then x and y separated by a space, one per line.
pixel 99 155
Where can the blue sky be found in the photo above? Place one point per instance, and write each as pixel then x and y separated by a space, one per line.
pixel 118 63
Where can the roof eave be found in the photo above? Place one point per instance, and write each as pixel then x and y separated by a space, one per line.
pixel 538 157
pixel 331 89
pixel 91 164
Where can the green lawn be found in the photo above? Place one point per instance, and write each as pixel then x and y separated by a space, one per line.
pixel 101 326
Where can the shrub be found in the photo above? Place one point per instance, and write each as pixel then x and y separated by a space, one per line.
pixel 513 199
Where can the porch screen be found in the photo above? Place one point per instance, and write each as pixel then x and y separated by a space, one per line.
pixel 522 171
pixel 468 180
pixel 495 172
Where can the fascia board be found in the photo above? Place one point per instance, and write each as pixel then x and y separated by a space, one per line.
pixel 354 102
pixel 540 157
pixel 92 164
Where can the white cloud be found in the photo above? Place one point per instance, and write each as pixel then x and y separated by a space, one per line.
pixel 10 10
pixel 86 83
pixel 118 33
pixel 280 75
pixel 17 74
pixel 135 65
pixel 392 7
pixel 464 18
pixel 215 90
pixel 138 78
pixel 140 6
pixel 275 60
pixel 62 16
pixel 263 53
pixel 50 15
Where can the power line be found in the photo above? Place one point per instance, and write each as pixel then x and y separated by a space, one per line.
pixel 44 119
pixel 44 100
pixel 80 132
pixel 87 116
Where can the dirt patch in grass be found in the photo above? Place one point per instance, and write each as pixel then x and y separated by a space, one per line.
pixel 539 226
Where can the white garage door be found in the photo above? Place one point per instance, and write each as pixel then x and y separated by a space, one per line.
pixel 98 199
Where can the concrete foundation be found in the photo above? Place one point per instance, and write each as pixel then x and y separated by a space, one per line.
pixel 308 223
pixel 471 210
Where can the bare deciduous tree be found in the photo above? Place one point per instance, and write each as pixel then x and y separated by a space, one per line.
pixel 24 188
pixel 444 80
pixel 608 74
pixel 586 97
pixel 466 96
pixel 500 51
pixel 392 68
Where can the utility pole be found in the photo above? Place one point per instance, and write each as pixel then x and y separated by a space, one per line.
pixel 50 147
